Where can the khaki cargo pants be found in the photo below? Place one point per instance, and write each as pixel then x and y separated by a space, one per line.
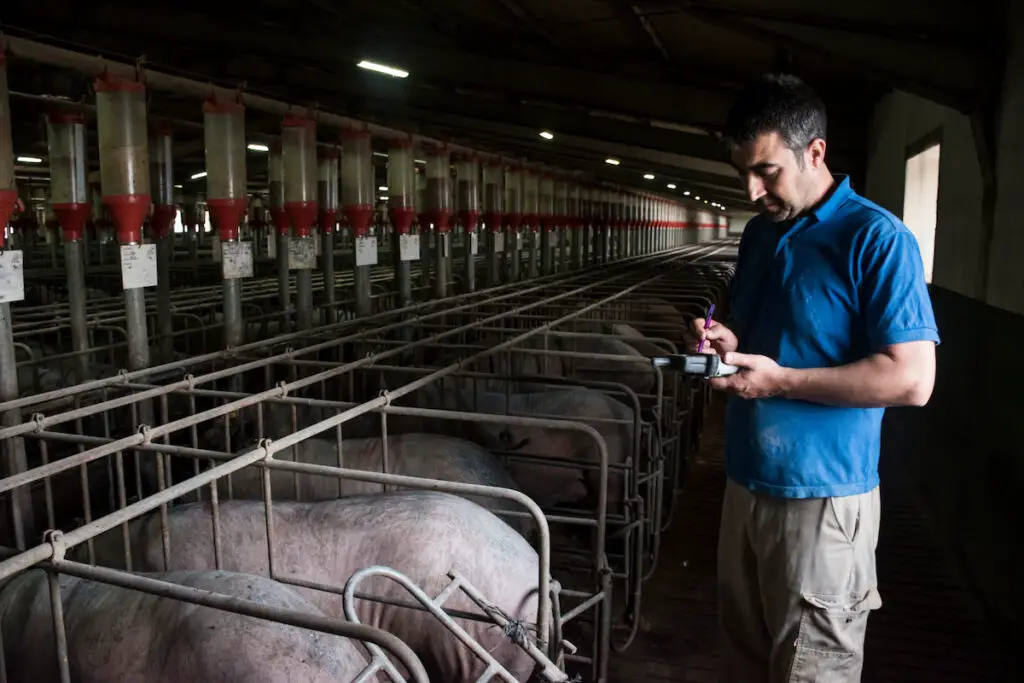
pixel 796 582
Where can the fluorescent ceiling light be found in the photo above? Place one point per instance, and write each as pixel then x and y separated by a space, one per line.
pixel 380 154
pixel 30 160
pixel 178 186
pixel 381 68
pixel 686 193
pixel 197 176
pixel 546 135
pixel 256 147
pixel 671 186
pixel 613 162
pixel 649 176
pixel 382 188
pixel 419 161
pixel 697 198
pixel 383 198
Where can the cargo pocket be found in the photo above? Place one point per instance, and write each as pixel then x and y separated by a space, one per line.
pixel 829 646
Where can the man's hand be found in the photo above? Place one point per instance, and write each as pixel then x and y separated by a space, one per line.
pixel 720 340
pixel 761 377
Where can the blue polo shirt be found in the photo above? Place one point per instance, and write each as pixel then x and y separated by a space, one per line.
pixel 825 290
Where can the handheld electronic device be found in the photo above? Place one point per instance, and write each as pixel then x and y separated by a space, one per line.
pixel 702 364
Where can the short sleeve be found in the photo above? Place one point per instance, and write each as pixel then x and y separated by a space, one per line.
pixel 895 303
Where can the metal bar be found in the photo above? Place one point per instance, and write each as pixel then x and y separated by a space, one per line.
pixel 337 627
pixel 424 599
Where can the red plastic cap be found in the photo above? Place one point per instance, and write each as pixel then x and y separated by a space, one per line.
pixel 8 198
pixel 71 218
pixel 359 216
pixel 216 105
pixel 303 215
pixel 295 121
pixel 162 220
pixel 128 210
pixel 226 216
pixel 65 117
pixel 109 82
pixel 354 133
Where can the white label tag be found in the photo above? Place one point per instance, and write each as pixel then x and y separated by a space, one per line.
pixel 366 251
pixel 12 277
pixel 301 254
pixel 474 243
pixel 272 245
pixel 138 265
pixel 237 260
pixel 409 247
pixel 217 251
pixel 499 242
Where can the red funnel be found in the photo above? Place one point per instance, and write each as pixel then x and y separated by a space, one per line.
pixel 303 214
pixel 440 218
pixel 401 219
pixel 328 219
pixel 280 218
pixel 8 198
pixel 359 216
pixel 128 210
pixel 492 219
pixel 469 219
pixel 72 219
pixel 162 220
pixel 226 215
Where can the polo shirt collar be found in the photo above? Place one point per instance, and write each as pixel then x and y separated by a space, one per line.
pixel 840 194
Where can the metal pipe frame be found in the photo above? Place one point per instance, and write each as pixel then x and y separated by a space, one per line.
pixel 373 637
pixel 145 437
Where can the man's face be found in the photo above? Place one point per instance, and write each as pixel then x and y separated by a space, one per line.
pixel 772 177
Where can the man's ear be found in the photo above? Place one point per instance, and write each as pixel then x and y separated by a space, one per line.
pixel 816 153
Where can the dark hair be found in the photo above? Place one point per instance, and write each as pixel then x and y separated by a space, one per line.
pixel 779 103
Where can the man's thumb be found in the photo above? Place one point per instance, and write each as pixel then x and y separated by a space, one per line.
pixel 742 360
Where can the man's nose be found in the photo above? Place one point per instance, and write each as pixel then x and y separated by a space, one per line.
pixel 755 188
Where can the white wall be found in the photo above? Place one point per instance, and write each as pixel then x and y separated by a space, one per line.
pixel 902 120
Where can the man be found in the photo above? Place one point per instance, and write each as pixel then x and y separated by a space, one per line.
pixel 831 321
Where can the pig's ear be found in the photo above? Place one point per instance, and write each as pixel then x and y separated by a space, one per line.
pixel 505 438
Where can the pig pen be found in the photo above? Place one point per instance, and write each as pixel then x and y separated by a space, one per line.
pixel 101 465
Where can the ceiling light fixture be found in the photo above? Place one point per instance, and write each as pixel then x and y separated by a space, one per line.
pixel 671 186
pixel 546 135
pixel 383 198
pixel 686 193
pixel 697 198
pixel 197 176
pixel 30 160
pixel 649 176
pixel 256 147
pixel 613 162
pixel 382 68
pixel 383 188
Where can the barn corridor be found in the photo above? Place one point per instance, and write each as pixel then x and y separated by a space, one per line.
pixel 926 632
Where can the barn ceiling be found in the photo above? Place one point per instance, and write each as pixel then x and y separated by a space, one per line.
pixel 647 83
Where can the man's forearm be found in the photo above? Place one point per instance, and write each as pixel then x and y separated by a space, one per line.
pixel 874 382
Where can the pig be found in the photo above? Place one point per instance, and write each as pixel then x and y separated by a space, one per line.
pixel 117 634
pixel 548 484
pixel 422 534
pixel 431 456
